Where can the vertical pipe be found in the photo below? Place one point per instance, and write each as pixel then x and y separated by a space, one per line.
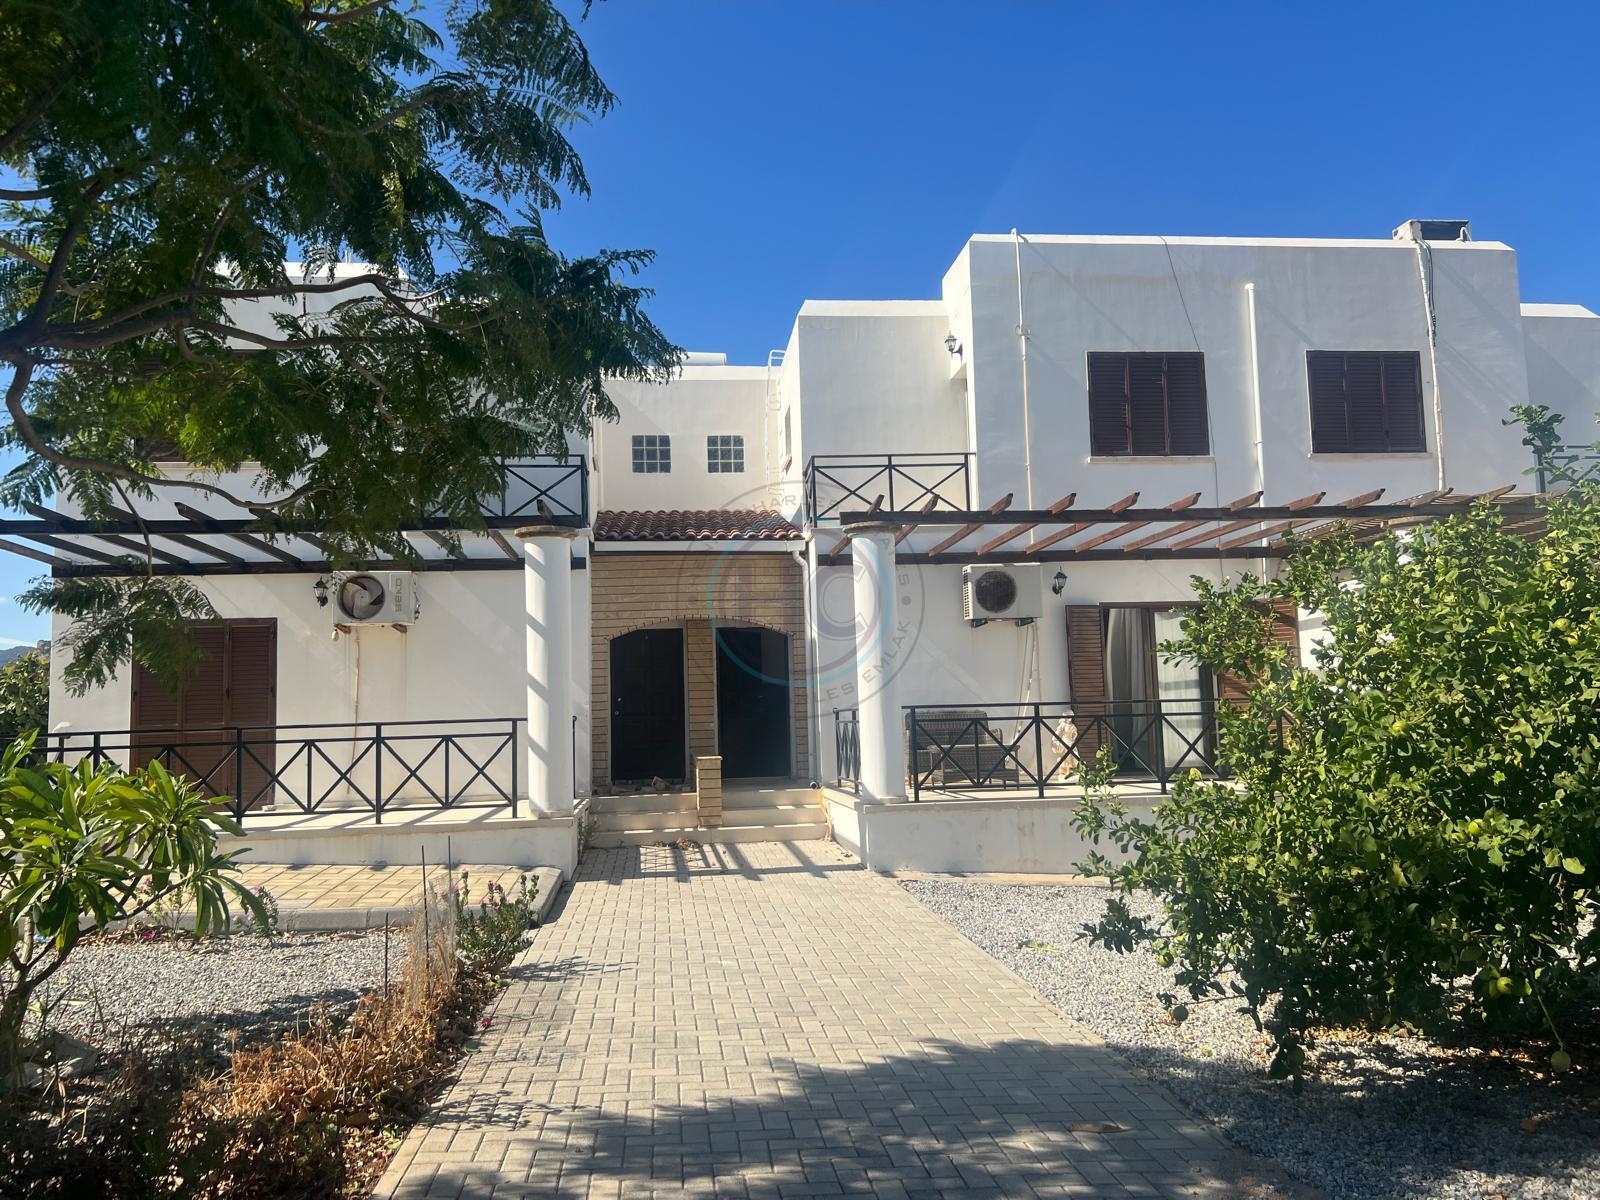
pixel 1022 347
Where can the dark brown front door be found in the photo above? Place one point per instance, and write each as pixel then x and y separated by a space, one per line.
pixel 194 733
pixel 649 736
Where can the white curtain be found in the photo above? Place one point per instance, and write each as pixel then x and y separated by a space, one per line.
pixel 1179 686
pixel 1128 650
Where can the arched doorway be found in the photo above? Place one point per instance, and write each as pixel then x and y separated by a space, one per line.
pixel 754 719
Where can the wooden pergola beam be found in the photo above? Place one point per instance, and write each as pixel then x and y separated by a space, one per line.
pixel 877 503
pixel 1126 502
pixel 499 539
pixel 1162 535
pixel 1112 534
pixel 49 560
pixel 1285 526
pixel 452 551
pixel 1017 531
pixel 971 527
pixel 905 530
pixel 1255 519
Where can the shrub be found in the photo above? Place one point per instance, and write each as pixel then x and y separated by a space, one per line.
pixel 491 935
pixel 1414 834
pixel 24 697
pixel 82 847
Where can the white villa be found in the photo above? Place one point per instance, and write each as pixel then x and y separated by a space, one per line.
pixel 888 585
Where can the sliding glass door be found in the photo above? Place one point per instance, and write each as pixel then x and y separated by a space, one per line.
pixel 1160 711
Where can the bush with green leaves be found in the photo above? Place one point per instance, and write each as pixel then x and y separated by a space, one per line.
pixel 83 847
pixel 24 697
pixel 1412 834
pixel 489 934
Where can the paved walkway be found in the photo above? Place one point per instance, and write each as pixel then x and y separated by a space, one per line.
pixel 773 1021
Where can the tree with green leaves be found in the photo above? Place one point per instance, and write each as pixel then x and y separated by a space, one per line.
pixel 1412 836
pixel 24 697
pixel 161 160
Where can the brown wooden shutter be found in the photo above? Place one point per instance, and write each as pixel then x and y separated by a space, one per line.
pixel 1325 375
pixel 1402 400
pixel 1188 431
pixel 1285 632
pixel 253 701
pixel 1086 674
pixel 1108 404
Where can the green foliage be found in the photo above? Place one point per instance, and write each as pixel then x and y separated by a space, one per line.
pixel 491 934
pixel 1413 836
pixel 159 161
pixel 24 697
pixel 118 619
pixel 83 847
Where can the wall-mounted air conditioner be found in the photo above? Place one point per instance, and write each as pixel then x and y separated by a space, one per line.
pixel 375 598
pixel 1000 594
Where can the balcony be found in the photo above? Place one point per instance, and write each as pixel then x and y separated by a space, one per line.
pixel 907 482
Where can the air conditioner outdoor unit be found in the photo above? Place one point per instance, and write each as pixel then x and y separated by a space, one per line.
pixel 1000 594
pixel 375 598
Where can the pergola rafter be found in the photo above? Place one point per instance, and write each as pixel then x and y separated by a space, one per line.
pixel 1186 530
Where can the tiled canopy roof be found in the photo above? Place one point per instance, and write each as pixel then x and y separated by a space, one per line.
pixel 684 525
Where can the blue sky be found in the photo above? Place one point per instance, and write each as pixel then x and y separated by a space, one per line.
pixel 770 152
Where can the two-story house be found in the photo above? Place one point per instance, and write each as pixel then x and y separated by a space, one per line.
pixel 926 551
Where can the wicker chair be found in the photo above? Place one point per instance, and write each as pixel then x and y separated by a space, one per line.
pixel 954 747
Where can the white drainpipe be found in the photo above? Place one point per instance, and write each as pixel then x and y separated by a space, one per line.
pixel 1022 346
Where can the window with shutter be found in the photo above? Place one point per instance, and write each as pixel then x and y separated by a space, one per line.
pixel 1147 404
pixel 192 733
pixel 1365 401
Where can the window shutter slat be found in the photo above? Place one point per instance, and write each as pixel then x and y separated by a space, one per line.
pixel 1402 393
pixel 1186 405
pixel 1147 403
pixel 1086 674
pixel 1108 404
pixel 1325 373
pixel 1363 388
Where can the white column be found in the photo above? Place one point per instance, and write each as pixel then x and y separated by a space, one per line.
pixel 547 582
pixel 879 640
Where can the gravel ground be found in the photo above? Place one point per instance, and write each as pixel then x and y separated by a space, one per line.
pixel 1381 1117
pixel 258 986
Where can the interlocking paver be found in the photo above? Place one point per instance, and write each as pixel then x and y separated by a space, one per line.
pixel 767 1021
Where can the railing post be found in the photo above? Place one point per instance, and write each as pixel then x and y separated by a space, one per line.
pixel 96 753
pixel 1038 748
pixel 889 458
pixel 377 774
pixel 516 753
pixel 914 755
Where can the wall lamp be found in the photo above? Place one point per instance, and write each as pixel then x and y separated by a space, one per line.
pixel 1059 583
pixel 951 344
pixel 319 589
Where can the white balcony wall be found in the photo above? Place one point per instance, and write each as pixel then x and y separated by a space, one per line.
pixel 1563 347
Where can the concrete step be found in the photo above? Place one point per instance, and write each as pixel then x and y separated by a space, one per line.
pixel 727 835
pixel 770 797
pixel 646 802
pixel 677 818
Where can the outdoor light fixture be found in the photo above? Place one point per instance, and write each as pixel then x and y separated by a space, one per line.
pixel 951 344
pixel 1059 583
pixel 320 590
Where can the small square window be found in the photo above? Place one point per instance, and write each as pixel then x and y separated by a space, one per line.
pixel 725 454
pixel 652 454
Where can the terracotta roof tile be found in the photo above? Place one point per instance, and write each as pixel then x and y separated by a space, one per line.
pixel 685 525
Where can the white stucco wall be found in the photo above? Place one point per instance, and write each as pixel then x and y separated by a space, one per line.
pixel 700 401
pixel 1144 294
pixel 1563 348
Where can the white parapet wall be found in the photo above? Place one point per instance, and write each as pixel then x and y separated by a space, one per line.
pixel 992 835
pixel 352 839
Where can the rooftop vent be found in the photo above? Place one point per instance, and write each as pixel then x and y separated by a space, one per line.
pixel 1434 231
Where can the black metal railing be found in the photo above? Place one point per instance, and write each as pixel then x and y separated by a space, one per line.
pixel 1012 746
pixel 1565 463
pixel 847 749
pixel 835 482
pixel 563 485
pixel 380 766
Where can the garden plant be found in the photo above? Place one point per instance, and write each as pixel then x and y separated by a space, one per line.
pixel 1411 834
